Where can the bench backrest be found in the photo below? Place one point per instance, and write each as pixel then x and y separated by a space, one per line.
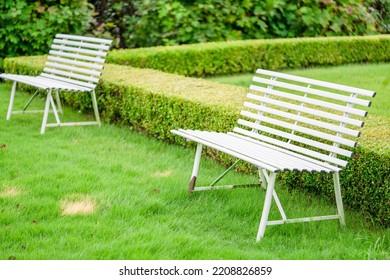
pixel 306 116
pixel 76 59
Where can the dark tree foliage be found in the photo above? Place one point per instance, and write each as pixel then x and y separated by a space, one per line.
pixel 110 20
pixel 27 27
pixel 172 22
pixel 381 10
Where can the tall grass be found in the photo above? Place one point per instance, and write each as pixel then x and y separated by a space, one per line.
pixel 110 193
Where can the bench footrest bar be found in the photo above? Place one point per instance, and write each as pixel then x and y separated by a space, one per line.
pixel 226 187
pixel 71 124
pixel 224 173
pixel 299 220
pixel 29 112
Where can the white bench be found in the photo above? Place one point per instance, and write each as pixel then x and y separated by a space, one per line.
pixel 289 123
pixel 74 64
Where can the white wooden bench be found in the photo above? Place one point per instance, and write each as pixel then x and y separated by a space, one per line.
pixel 74 64
pixel 289 123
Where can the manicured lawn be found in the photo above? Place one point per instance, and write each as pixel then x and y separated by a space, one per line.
pixel 368 76
pixel 110 193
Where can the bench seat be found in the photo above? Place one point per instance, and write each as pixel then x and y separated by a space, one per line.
pixel 44 83
pixel 258 153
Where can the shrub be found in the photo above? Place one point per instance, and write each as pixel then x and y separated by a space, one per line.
pixel 245 56
pixel 28 27
pixel 173 22
pixel 155 102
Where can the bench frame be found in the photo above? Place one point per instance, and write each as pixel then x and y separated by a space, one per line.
pixel 271 155
pixel 74 64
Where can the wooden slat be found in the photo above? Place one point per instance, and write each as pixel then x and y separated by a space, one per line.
pixel 245 148
pixel 283 160
pixel 77 56
pixel 55 83
pixel 298 128
pixel 79 50
pixel 317 82
pixel 70 81
pixel 301 119
pixel 28 80
pixel 74 69
pixel 81 44
pixel 44 82
pixel 261 152
pixel 307 100
pixel 291 147
pixel 276 148
pixel 307 110
pixel 70 75
pixel 296 138
pixel 75 62
pixel 84 38
pixel 231 152
pixel 307 90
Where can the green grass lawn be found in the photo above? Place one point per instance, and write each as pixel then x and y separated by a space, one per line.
pixel 367 76
pixel 110 193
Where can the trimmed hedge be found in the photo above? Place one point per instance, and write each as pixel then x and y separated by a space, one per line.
pixel 155 102
pixel 208 59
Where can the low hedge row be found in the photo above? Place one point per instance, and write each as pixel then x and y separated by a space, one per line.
pixel 208 59
pixel 155 102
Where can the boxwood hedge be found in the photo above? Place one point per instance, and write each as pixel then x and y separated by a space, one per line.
pixel 208 59
pixel 155 102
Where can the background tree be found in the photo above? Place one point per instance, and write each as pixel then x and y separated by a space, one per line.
pixel 110 20
pixel 171 22
pixel 27 27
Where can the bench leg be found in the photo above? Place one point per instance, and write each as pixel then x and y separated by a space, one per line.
pixel 11 101
pixel 58 101
pixel 49 101
pixel 339 201
pixel 267 206
pixel 264 181
pixel 95 107
pixel 195 169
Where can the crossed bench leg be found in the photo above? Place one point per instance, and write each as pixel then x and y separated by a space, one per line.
pixel 51 106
